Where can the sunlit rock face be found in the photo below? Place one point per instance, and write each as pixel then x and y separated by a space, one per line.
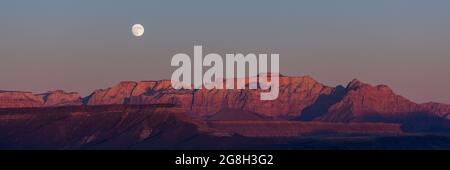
pixel 362 100
pixel 28 99
pixel 296 93
pixel 12 99
pixel 300 98
pixel 117 94
pixel 61 98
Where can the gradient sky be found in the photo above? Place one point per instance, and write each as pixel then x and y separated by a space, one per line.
pixel 82 45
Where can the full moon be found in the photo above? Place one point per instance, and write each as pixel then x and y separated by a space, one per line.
pixel 137 30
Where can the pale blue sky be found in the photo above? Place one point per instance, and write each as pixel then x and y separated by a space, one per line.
pixel 83 45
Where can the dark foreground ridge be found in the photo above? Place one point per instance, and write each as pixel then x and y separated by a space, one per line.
pixel 165 126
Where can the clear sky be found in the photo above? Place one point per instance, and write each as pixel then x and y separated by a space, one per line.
pixel 82 45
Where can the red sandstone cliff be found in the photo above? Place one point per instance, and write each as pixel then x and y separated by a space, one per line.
pixel 296 93
pixel 18 99
pixel 61 98
pixel 299 97
pixel 10 99
pixel 362 100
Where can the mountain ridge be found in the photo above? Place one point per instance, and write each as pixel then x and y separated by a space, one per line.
pixel 300 97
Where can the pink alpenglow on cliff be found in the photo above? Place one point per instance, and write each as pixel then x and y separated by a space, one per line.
pixel 299 98
pixel 213 77
pixel 17 99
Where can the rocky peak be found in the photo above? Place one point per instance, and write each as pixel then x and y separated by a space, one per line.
pixel 362 100
pixel 356 84
pixel 118 94
pixel 142 87
pixel 365 88
pixel 61 98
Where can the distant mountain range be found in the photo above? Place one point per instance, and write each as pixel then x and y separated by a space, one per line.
pixel 300 98
pixel 153 115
